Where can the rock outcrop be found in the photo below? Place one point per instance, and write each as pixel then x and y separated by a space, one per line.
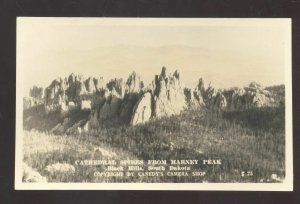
pixel 86 105
pixel 117 101
pixel 220 101
pixel 134 83
pixel 205 97
pixel 116 87
pixel 74 90
pixel 238 99
pixel 99 84
pixel 252 96
pixel 90 85
pixel 132 103
pixel 142 111
pixel 36 95
pixel 199 91
pixel 168 94
pixel 29 102
pixel 32 176
pixel 129 102
pixel 194 98
pixel 36 92
pixel 234 99
pixel 55 94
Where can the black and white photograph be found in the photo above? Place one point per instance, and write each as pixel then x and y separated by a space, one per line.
pixel 154 104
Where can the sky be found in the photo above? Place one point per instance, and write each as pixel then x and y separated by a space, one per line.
pixel 224 52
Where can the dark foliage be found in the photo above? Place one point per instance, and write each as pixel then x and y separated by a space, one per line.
pixel 266 118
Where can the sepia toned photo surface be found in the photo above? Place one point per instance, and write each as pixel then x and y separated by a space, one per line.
pixel 154 104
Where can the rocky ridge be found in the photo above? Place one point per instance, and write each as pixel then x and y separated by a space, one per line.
pixel 130 102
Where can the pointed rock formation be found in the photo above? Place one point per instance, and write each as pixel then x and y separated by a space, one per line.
pixel 142 111
pixel 255 86
pixel 189 96
pixel 80 87
pixel 55 93
pixel 120 102
pixel 252 96
pixel 71 87
pixel 36 92
pixel 134 83
pixel 200 89
pixel 168 95
pixel 220 101
pixel 99 84
pixel 238 99
pixel 195 98
pixel 116 87
pixel 90 86
pixel 210 94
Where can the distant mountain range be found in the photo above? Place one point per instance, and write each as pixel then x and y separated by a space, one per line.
pixel 224 69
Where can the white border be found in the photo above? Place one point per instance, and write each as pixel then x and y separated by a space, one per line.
pixel 287 185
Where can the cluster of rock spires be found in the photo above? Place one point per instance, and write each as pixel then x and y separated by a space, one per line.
pixel 35 97
pixel 130 102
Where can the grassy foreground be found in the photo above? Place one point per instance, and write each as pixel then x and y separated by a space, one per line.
pixel 250 144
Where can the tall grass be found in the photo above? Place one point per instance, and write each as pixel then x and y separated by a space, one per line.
pixel 251 140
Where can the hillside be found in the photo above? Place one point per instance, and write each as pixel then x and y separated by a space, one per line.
pixel 242 143
pixel 74 117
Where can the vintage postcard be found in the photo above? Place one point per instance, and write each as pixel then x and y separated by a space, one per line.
pixel 154 104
